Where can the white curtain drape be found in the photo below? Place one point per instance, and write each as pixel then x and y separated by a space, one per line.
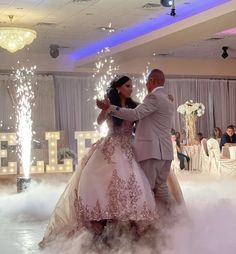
pixel 66 103
pixel 6 105
pixel 75 105
pixel 218 96
pixel 43 113
pixel 232 101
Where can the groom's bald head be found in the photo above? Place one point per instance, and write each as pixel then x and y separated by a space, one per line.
pixel 155 78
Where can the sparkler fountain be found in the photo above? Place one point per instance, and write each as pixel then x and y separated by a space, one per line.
pixel 140 88
pixel 24 81
pixel 105 69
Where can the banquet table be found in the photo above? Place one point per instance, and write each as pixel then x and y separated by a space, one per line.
pixel 229 152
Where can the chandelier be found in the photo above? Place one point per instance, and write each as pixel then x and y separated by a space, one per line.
pixel 14 38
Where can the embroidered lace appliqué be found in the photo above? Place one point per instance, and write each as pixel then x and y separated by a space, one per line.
pixel 123 203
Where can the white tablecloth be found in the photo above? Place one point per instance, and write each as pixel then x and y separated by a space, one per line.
pixel 193 152
pixel 229 152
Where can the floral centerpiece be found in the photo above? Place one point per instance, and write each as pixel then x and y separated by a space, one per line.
pixel 189 107
pixel 191 111
pixel 65 153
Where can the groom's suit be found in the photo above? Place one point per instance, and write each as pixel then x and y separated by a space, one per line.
pixel 153 146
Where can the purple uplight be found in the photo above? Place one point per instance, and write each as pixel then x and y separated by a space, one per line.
pixel 183 11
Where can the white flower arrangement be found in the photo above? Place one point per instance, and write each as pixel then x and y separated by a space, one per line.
pixel 191 108
pixel 66 153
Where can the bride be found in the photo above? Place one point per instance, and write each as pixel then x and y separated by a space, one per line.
pixel 109 186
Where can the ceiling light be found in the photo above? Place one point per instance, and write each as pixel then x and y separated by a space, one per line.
pixel 166 3
pixel 15 38
pixel 108 28
pixel 161 54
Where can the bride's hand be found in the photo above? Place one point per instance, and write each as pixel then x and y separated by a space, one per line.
pixel 171 97
pixel 103 104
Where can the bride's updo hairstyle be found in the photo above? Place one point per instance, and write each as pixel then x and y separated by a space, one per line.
pixel 114 97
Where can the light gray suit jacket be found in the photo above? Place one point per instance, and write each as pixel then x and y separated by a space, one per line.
pixel 153 131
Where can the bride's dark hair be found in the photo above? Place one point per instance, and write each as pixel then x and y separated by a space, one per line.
pixel 114 97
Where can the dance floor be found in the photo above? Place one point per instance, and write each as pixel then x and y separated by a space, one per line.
pixel 211 204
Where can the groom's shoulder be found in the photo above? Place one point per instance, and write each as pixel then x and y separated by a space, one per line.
pixel 151 96
pixel 159 93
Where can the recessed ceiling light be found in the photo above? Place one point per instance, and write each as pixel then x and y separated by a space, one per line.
pixel 108 28
pixel 161 54
pixel 105 28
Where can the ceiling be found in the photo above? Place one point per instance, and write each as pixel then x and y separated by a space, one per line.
pixel 73 25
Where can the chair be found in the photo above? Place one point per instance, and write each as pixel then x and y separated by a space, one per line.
pixel 204 145
pixel 204 158
pixel 217 164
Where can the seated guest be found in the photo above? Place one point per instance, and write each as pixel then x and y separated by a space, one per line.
pixel 234 129
pixel 182 157
pixel 217 134
pixel 173 131
pixel 198 138
pixel 228 138
pixel 183 138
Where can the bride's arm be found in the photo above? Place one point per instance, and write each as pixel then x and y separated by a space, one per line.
pixel 102 117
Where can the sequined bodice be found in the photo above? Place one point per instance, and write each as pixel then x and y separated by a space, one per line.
pixel 124 130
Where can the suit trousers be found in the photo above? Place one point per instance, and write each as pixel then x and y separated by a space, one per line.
pixel 157 172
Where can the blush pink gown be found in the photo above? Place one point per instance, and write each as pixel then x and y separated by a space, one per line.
pixel 108 185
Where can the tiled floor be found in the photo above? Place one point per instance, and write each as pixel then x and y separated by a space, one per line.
pixel 20 237
pixel 211 204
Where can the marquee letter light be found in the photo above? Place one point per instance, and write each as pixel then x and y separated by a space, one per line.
pixel 53 166
pixel 11 168
pixel 82 137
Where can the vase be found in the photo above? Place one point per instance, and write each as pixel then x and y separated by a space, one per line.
pixel 190 125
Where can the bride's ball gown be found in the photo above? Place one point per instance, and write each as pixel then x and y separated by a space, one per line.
pixel 108 185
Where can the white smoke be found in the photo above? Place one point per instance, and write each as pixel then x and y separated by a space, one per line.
pixel 210 229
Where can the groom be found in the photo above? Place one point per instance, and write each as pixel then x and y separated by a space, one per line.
pixel 153 146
